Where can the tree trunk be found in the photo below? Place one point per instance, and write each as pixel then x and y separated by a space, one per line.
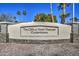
pixel 52 18
pixel 62 21
pixel 64 13
pixel 64 10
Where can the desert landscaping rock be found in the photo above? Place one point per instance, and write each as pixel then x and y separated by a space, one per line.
pixel 64 49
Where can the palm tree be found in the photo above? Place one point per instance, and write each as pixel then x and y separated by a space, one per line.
pixel 62 16
pixel 18 12
pixel 51 12
pixel 63 6
pixel 24 12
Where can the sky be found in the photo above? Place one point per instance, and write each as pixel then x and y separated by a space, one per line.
pixel 76 9
pixel 32 10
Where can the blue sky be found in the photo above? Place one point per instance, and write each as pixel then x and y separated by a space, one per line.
pixel 32 10
pixel 76 10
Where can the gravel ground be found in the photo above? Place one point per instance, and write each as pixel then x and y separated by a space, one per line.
pixel 64 49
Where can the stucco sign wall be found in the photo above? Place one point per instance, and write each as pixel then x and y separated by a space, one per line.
pixel 39 31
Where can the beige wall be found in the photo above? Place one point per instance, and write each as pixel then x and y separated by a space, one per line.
pixel 15 31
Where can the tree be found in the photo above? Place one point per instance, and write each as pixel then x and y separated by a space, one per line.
pixel 18 12
pixel 21 13
pixel 62 6
pixel 63 16
pixel 55 19
pixel 14 17
pixel 44 18
pixel 8 18
pixel 40 17
pixel 52 18
pixel 24 12
pixel 75 19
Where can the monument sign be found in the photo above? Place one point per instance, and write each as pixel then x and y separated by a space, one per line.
pixel 39 31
